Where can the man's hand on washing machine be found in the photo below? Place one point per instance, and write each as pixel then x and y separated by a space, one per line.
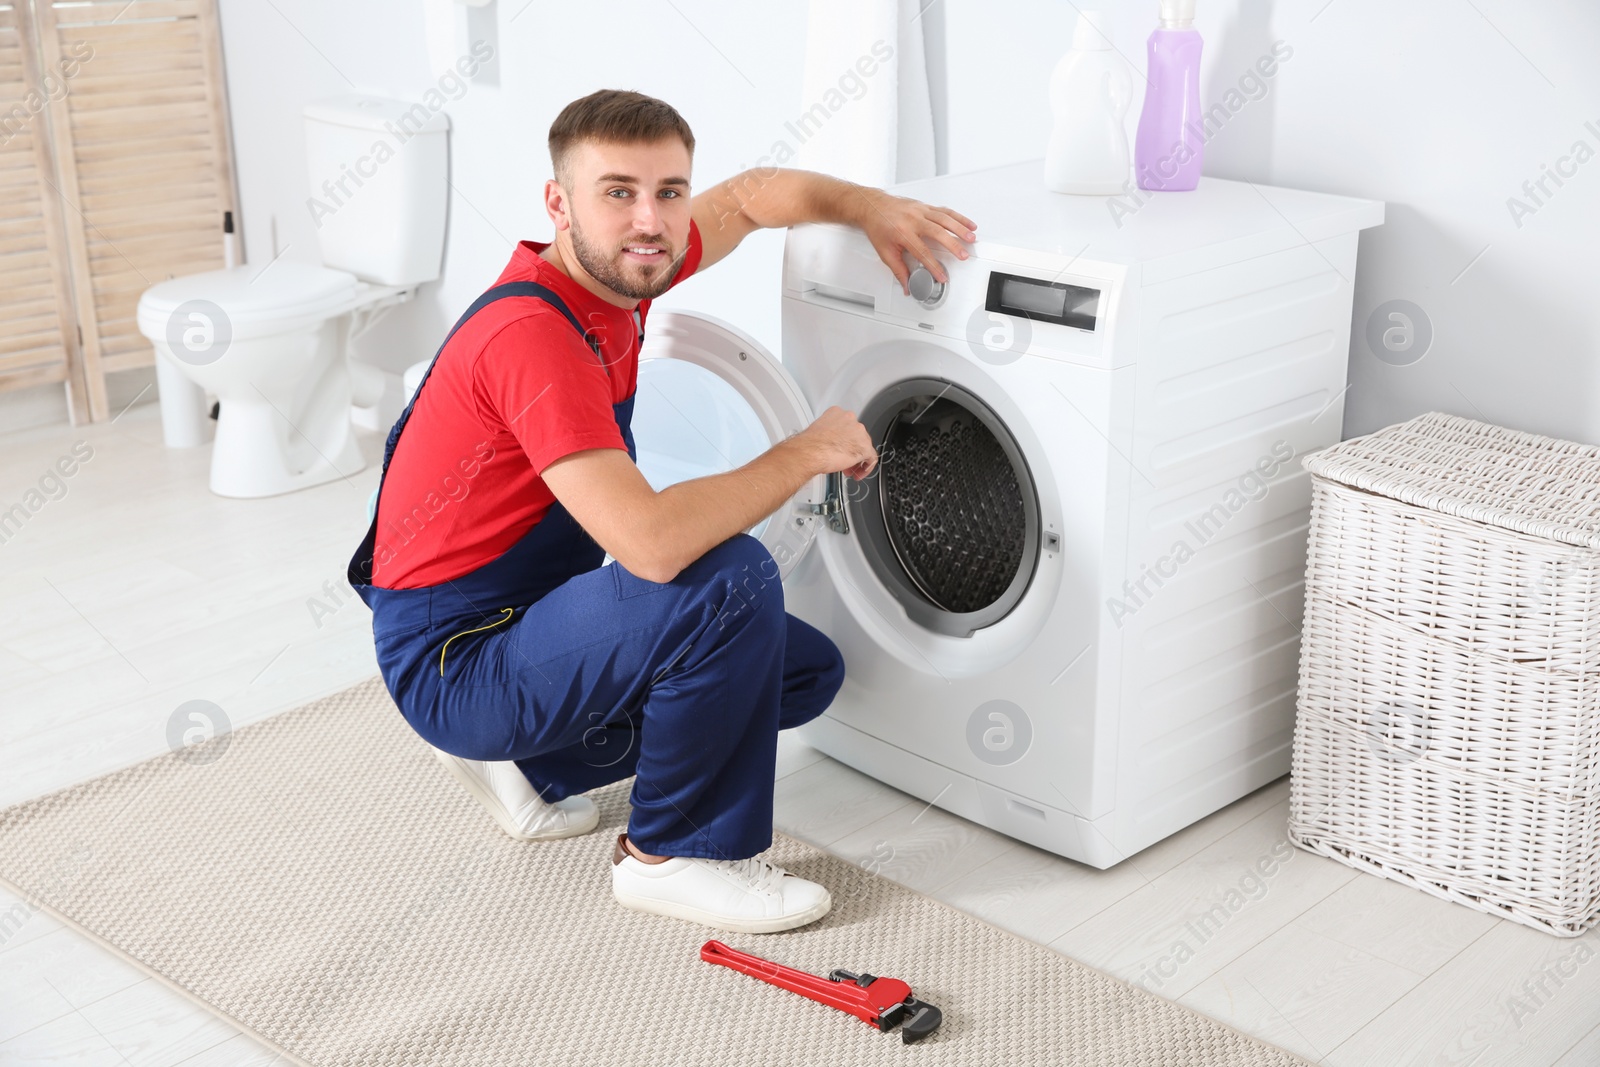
pixel 899 227
pixel 836 441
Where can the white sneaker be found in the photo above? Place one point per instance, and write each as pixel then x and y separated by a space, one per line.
pixel 748 896
pixel 516 806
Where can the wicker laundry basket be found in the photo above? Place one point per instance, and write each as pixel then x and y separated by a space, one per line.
pixel 1448 728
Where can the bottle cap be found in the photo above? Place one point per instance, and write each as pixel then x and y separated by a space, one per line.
pixel 1092 33
pixel 1177 14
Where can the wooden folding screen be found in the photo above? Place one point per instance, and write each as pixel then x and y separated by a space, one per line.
pixel 38 343
pixel 143 162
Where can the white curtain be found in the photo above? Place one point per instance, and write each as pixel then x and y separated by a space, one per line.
pixel 865 118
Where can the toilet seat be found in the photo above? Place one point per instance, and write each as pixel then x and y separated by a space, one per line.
pixel 256 301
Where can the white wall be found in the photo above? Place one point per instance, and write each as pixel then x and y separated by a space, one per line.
pixel 1441 108
pixel 718 67
pixel 1429 105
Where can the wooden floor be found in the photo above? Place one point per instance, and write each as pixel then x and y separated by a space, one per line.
pixel 133 589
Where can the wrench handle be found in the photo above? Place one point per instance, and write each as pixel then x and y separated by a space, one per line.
pixel 867 1004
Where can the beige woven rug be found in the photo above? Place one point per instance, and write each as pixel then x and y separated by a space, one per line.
pixel 325 886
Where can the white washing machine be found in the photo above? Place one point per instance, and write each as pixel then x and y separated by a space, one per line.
pixel 1068 597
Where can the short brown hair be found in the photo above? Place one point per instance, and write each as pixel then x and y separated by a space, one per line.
pixel 613 116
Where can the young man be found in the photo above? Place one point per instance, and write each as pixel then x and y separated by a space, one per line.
pixel 537 674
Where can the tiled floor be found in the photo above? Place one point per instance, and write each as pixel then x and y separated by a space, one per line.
pixel 131 589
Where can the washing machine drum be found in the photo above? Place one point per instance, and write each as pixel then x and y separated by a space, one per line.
pixel 949 521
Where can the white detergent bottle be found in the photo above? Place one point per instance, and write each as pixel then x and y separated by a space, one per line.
pixel 1089 94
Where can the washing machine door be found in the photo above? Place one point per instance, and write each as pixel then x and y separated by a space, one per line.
pixel 711 398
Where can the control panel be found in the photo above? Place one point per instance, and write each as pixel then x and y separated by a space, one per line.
pixel 1057 307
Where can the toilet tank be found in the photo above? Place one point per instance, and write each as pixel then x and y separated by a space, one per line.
pixel 379 183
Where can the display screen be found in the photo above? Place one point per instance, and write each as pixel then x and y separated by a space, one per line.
pixel 1041 301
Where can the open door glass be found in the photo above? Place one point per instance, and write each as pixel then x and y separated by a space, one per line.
pixel 711 398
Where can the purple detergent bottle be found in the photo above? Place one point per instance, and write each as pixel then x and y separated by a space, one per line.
pixel 1169 147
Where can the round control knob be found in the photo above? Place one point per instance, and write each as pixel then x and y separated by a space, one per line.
pixel 924 289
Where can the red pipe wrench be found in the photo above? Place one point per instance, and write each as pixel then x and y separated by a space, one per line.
pixel 882 1002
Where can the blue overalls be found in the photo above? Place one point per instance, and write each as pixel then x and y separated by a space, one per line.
pixel 584 675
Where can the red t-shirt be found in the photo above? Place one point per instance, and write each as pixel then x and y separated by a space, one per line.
pixel 515 390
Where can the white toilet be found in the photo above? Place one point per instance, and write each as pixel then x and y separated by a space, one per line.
pixel 271 339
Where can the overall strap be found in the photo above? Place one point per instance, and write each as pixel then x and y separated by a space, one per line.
pixel 499 292
pixel 360 570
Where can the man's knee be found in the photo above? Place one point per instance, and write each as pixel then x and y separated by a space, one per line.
pixel 830 676
pixel 743 555
pixel 816 674
pixel 744 568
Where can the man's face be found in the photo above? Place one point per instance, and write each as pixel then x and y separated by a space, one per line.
pixel 626 201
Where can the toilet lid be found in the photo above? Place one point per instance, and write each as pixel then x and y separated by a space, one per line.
pixel 252 295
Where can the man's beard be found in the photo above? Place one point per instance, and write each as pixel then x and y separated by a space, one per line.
pixel 603 268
